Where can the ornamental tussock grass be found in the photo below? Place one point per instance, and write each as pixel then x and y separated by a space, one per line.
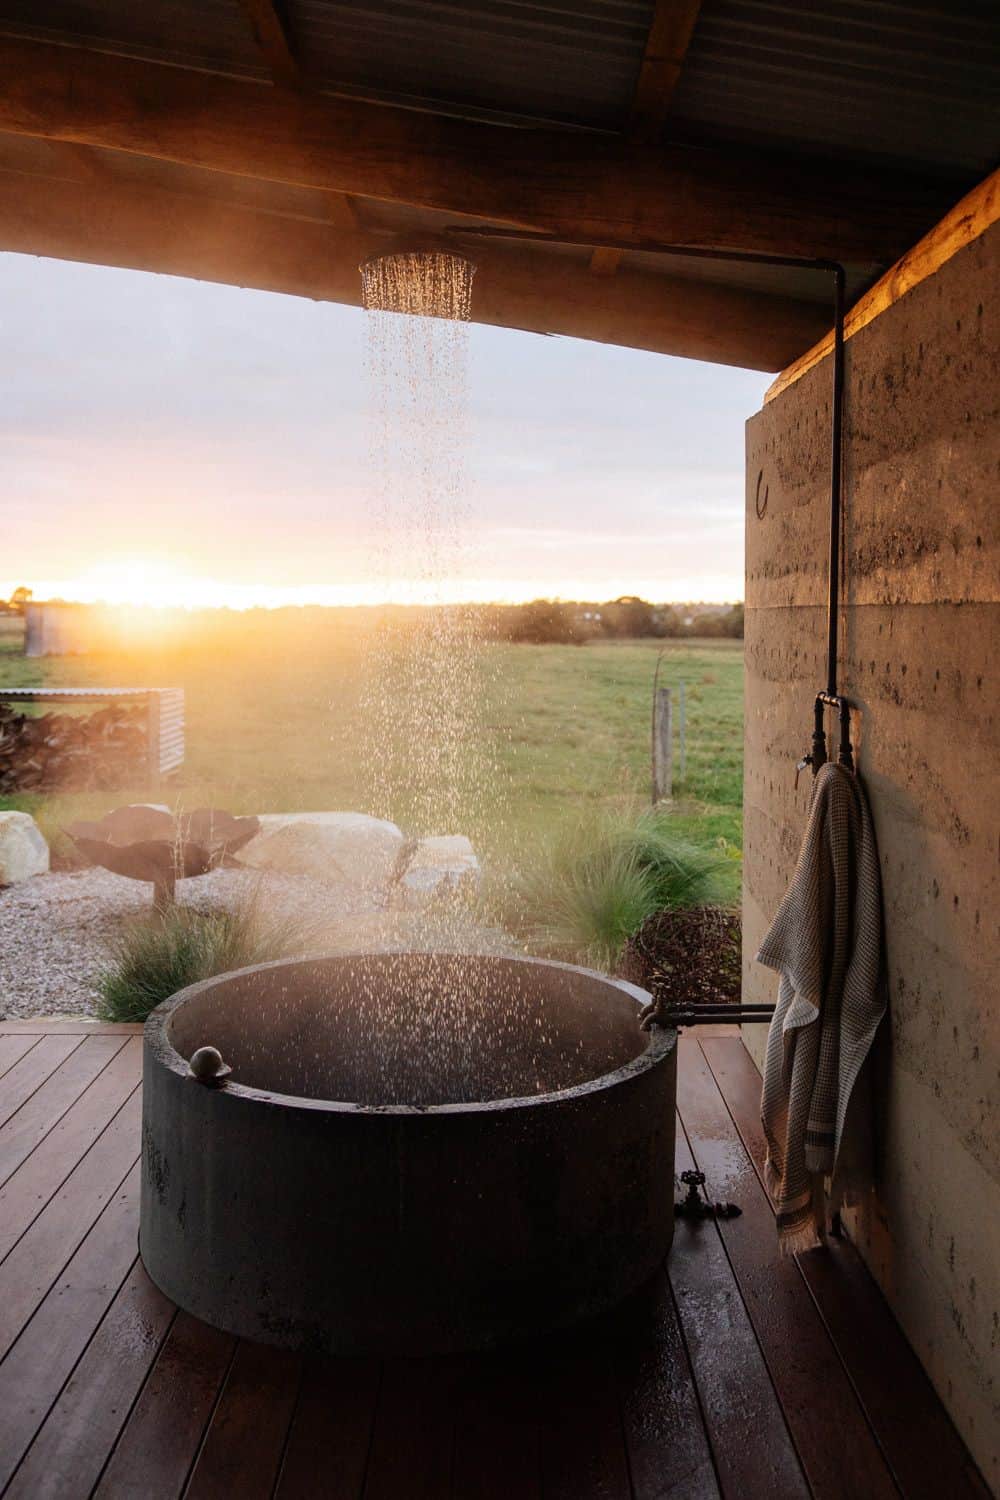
pixel 595 884
pixel 153 959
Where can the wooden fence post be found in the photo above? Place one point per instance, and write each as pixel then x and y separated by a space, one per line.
pixel 663 747
pixel 682 734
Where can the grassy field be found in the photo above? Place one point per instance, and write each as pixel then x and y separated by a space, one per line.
pixel 274 723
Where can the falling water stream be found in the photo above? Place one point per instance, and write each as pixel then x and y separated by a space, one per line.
pixel 419 699
pixel 428 753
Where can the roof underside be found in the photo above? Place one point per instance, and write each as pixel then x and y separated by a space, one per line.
pixel 904 91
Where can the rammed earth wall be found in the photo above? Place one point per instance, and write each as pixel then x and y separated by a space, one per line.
pixel 921 655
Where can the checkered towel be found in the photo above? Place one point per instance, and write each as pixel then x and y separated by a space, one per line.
pixel 826 943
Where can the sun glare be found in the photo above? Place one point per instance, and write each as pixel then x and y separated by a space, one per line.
pixel 158 583
pixel 137 580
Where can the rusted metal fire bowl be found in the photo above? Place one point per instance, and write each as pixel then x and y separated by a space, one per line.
pixel 413 1153
pixel 146 843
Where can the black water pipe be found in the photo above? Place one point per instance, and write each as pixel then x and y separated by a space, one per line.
pixel 829 698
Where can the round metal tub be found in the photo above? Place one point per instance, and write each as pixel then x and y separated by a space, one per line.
pixel 414 1152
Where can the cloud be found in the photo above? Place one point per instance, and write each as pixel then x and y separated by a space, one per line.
pixel 230 429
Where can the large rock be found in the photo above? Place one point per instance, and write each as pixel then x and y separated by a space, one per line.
pixel 23 850
pixel 330 846
pixel 443 866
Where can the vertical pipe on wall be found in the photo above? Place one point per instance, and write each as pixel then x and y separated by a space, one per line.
pixel 836 480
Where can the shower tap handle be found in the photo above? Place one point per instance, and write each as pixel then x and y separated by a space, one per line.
pixel 695 1206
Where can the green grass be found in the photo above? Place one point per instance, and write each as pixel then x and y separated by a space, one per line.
pixel 274 723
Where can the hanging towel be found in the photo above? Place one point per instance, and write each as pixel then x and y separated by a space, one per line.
pixel 826 944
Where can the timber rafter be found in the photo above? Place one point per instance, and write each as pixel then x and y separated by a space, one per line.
pixel 667 42
pixel 154 229
pixel 274 42
pixel 558 182
pixel 666 48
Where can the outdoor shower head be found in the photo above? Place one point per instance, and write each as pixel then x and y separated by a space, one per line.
pixel 420 275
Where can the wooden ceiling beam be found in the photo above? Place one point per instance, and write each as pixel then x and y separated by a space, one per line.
pixel 274 42
pixel 272 33
pixel 667 42
pixel 151 229
pixel 566 183
pixel 663 58
pixel 344 212
pixel 605 262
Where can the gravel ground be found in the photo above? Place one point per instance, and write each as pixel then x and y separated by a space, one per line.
pixel 55 930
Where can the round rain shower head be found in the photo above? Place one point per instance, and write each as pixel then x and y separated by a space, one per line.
pixel 422 276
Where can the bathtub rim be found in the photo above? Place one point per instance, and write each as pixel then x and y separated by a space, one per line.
pixel 659 1042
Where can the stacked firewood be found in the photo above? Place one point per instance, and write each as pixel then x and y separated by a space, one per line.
pixel 72 752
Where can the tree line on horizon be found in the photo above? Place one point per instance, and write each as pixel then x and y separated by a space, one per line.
pixel 538 622
pixel 563 622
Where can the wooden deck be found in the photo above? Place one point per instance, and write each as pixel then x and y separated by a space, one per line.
pixel 742 1375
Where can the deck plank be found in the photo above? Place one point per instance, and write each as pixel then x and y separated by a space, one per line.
pixel 668 1450
pixel 71 1448
pixel 754 1453
pixel 19 1082
pixel 13 1048
pixel 50 1101
pixel 497 1429
pixel 35 1369
pixel 162 1437
pixel 327 1451
pixel 413 1438
pixel 913 1429
pixel 35 1262
pixel 709 1387
pixel 28 1190
pixel 245 1441
pixel 583 1449
pixel 828 1425
pixel 69 1026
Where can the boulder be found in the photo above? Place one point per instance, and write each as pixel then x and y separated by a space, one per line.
pixel 346 847
pixel 23 850
pixel 442 866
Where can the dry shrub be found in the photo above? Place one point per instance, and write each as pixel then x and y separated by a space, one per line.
pixel 687 957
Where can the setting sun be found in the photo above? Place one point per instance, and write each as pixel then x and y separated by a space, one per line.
pixel 135 580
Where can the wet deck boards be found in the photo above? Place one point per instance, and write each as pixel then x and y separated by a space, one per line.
pixel 737 1375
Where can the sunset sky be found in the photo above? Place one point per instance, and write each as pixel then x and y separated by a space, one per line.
pixel 170 441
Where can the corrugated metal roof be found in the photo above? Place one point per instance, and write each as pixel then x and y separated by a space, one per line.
pixel 565 61
pixel 212 34
pixel 913 84
pixel 896 81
